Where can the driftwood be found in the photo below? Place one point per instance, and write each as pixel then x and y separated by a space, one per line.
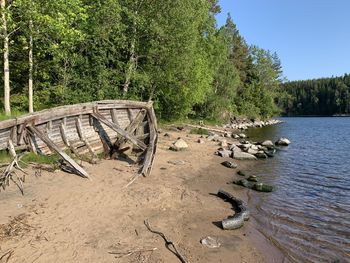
pixel 58 150
pixel 168 243
pixel 10 175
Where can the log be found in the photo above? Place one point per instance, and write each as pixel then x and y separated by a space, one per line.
pixel 35 131
pixel 11 148
pixel 119 130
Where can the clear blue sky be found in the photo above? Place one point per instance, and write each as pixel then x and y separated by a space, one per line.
pixel 311 37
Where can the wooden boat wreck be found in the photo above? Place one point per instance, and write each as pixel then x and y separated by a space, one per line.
pixel 88 128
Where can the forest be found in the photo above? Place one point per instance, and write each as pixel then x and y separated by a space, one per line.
pixel 320 97
pixel 173 52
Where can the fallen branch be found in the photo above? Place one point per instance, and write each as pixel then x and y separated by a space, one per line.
pixel 3 258
pixel 168 243
pixel 131 252
pixel 10 175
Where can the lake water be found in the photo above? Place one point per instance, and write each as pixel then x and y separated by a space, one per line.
pixel 308 216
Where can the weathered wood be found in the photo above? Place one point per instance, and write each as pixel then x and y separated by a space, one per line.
pixel 152 147
pixel 142 136
pixel 54 147
pixel 131 127
pixel 119 130
pixel 63 134
pixel 71 110
pixel 31 143
pixel 11 148
pixel 82 136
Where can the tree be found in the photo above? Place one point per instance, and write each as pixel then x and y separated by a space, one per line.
pixel 5 36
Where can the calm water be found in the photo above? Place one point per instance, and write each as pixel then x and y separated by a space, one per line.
pixel 309 214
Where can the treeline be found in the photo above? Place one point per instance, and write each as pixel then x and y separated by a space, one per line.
pixel 325 96
pixel 71 51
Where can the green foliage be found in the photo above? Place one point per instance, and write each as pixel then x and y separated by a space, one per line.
pixel 87 50
pixel 325 96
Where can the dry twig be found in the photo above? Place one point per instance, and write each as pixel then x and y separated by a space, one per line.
pixel 168 243
pixel 4 259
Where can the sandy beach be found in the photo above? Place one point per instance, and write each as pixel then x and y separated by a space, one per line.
pixel 64 218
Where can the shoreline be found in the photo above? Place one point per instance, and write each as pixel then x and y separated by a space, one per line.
pixel 94 218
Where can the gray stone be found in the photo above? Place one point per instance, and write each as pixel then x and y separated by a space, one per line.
pixel 224 153
pixel 283 142
pixel 179 145
pixel 261 155
pixel 252 151
pixel 267 143
pixel 200 141
pixel 242 135
pixel 229 164
pixel 243 156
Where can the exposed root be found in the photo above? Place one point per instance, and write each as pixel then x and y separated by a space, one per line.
pixel 10 175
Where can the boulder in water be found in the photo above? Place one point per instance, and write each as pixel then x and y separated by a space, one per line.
pixel 260 187
pixel 282 142
pixel 243 156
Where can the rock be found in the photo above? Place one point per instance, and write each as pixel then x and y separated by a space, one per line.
pixel 243 156
pixel 232 147
pixel 228 164
pixel 223 143
pixel 241 173
pixel 282 142
pixel 261 155
pixel 210 242
pixel 166 134
pixel 224 153
pixel 228 134
pixel 267 143
pixel 254 147
pixel 252 178
pixel 177 162
pixel 213 137
pixel 252 151
pixel 179 145
pixel 242 182
pixel 235 136
pixel 242 135
pixel 260 187
pixel 270 153
pixel 200 141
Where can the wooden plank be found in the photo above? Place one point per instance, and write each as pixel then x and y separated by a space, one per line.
pixel 63 134
pixel 152 147
pixel 55 148
pixel 119 130
pixel 82 136
pixel 142 136
pixel 132 127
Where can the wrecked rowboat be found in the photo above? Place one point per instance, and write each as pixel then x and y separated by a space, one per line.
pixel 88 128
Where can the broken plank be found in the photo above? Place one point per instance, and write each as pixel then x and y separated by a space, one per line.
pixel 132 127
pixel 54 147
pixel 119 130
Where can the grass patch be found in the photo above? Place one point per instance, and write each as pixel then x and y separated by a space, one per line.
pixel 5 157
pixel 199 131
pixel 14 114
pixel 40 158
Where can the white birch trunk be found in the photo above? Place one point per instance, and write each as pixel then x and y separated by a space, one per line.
pixel 6 60
pixel 30 80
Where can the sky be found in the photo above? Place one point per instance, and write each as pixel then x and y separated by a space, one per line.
pixel 311 37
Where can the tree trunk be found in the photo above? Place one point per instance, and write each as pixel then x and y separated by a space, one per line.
pixel 132 60
pixel 30 81
pixel 6 60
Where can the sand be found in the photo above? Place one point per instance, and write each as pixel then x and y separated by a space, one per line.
pixel 64 218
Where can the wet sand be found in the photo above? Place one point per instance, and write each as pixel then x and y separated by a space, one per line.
pixel 64 218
